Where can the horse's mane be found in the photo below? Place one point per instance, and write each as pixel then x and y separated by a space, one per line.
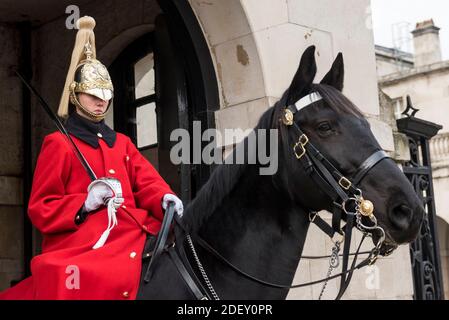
pixel 223 180
pixel 336 100
pixel 226 176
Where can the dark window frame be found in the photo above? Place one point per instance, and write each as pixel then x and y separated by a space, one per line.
pixel 125 102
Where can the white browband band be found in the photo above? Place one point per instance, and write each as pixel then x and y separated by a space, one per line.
pixel 308 100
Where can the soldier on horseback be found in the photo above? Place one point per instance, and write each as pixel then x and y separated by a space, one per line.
pixel 93 232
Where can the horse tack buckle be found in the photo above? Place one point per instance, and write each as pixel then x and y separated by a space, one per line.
pixel 339 238
pixel 301 144
pixel 345 183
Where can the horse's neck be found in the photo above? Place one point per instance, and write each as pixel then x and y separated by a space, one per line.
pixel 258 230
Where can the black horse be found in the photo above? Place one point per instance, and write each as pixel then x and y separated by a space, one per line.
pixel 259 223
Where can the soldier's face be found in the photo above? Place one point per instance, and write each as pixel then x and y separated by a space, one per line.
pixel 93 103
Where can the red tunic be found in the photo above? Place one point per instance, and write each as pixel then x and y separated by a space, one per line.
pixel 68 267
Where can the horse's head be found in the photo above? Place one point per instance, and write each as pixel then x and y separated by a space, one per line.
pixel 337 128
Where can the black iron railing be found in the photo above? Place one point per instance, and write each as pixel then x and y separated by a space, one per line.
pixel 425 251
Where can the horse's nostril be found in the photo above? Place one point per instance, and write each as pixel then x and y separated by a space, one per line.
pixel 401 216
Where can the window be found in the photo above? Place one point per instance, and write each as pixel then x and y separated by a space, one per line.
pixel 135 114
pixel 144 76
pixel 145 102
pixel 146 126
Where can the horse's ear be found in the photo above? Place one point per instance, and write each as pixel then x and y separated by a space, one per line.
pixel 335 77
pixel 303 78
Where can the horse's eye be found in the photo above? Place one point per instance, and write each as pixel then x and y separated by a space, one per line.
pixel 324 127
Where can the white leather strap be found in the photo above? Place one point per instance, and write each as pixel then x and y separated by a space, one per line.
pixel 308 100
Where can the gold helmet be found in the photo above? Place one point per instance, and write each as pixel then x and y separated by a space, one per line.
pixel 86 74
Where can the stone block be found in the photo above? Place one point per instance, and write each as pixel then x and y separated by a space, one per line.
pixel 221 21
pixel 239 71
pixel 244 116
pixel 281 48
pixel 401 147
pixel 11 232
pixel 383 133
pixel 395 277
pixel 11 191
pixel 349 23
pixel 263 14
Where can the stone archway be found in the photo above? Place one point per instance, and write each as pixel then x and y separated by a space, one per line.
pixel 236 60
pixel 256 47
pixel 112 49
pixel 234 50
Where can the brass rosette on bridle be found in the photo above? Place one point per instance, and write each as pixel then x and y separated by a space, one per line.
pixel 288 117
pixel 366 208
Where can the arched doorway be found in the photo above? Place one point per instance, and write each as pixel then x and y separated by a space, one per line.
pixel 165 80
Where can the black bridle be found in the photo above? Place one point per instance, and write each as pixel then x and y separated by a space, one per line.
pixel 339 188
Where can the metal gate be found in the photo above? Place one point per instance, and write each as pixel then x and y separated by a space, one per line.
pixel 425 251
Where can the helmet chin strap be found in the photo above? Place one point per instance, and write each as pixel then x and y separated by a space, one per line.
pixel 92 116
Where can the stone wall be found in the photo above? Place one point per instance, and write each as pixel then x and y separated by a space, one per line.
pixel 11 159
pixel 257 45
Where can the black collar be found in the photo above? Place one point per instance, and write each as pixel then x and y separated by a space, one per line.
pixel 90 131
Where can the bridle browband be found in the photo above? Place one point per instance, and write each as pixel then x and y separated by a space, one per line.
pixel 339 188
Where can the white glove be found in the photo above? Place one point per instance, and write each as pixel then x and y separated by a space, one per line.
pixel 179 208
pixel 105 191
pixel 98 194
